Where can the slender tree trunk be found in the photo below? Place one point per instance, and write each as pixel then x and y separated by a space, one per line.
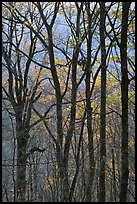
pixel 103 105
pixel 71 129
pixel 57 88
pixel 124 99
pixel 73 111
pixel 73 185
pixel 61 165
pixel 114 174
pixel 89 110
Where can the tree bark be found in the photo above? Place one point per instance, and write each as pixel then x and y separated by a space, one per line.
pixel 124 100
pixel 22 139
pixel 114 174
pixel 61 166
pixel 89 110
pixel 103 105
pixel 73 110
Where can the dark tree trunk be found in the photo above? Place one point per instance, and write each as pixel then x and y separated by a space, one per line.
pixel 57 88
pixel 124 100
pixel 114 174
pixel 103 105
pixel 22 135
pixel 22 139
pixel 89 110
pixel 61 165
pixel 73 111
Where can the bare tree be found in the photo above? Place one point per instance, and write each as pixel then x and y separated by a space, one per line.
pixel 18 92
pixel 124 100
pixel 103 105
pixel 63 70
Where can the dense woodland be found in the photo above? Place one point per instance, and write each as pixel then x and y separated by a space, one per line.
pixel 68 101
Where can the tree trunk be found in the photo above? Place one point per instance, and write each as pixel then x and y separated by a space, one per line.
pixel 89 110
pixel 62 166
pixel 124 100
pixel 57 88
pixel 21 161
pixel 114 174
pixel 73 112
pixel 103 105
pixel 22 135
